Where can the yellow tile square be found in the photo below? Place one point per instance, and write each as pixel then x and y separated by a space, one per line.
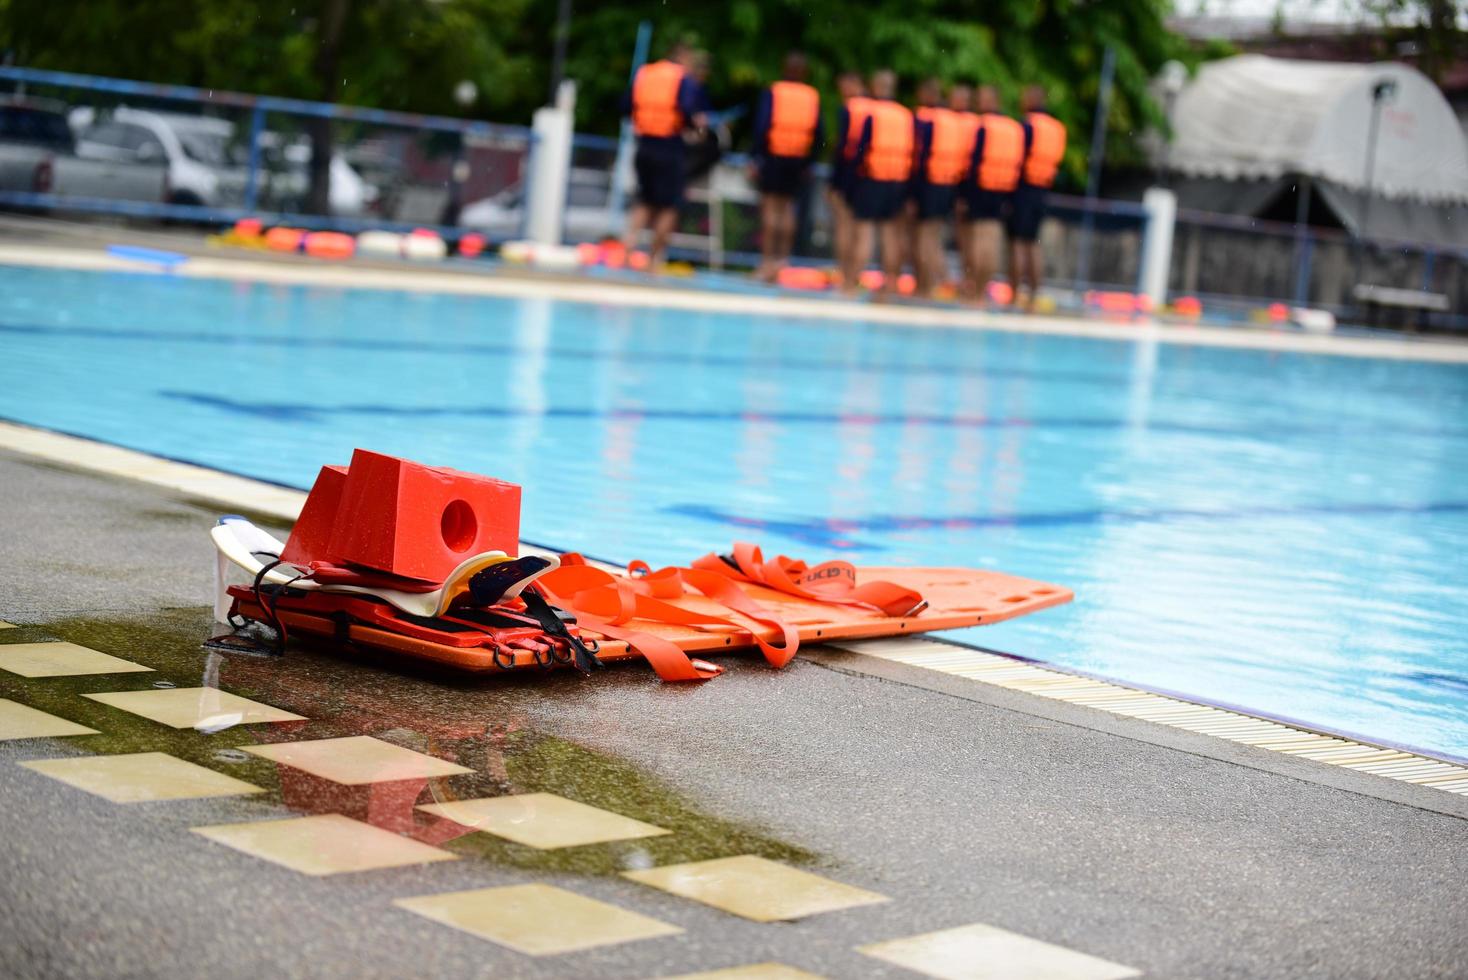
pixel 141 777
pixel 356 760
pixel 754 971
pixel 204 708
pixel 984 952
pixel 22 721
pixel 538 920
pixel 325 844
pixel 756 888
pixel 61 660
pixel 543 820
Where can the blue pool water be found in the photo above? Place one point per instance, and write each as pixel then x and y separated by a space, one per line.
pixel 1278 531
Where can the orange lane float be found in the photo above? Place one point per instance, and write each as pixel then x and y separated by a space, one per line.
pixel 330 245
pixel 248 228
pixel 284 239
pixel 397 557
pixel 1188 306
pixel 803 277
pixel 472 245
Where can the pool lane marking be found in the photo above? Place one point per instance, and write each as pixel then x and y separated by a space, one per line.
pixel 1172 712
pixel 460 347
pixel 581 289
pixel 317 411
pixel 838 532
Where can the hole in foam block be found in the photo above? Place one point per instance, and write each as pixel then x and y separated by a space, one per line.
pixel 458 526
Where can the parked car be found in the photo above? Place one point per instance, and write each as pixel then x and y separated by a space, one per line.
pixel 195 149
pixel 588 193
pixel 38 154
pixel 350 195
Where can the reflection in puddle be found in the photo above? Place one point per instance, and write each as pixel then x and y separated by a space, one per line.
pixel 474 735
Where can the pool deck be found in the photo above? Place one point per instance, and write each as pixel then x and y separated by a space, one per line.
pixel 61 244
pixel 961 802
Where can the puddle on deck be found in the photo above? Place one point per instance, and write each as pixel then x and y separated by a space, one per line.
pixel 472 722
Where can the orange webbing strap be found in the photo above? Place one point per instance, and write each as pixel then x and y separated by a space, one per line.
pixel 831 582
pixel 669 583
pixel 603 602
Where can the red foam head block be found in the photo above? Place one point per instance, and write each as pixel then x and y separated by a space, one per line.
pixel 404 518
pixel 310 539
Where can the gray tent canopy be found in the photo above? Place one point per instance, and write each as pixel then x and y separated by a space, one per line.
pixel 1256 120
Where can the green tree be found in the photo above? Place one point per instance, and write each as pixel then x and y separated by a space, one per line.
pixel 1436 27
pixel 1057 43
pixel 409 54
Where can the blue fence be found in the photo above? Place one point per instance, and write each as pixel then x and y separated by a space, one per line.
pixel 435 168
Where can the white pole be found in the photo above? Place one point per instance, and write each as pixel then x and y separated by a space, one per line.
pixel 1160 204
pixel 550 168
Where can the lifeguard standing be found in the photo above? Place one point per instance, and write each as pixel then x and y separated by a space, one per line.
pixel 787 137
pixel 850 117
pixel 883 165
pixel 663 102
pixel 961 105
pixel 1044 150
pixel 945 150
pixel 994 175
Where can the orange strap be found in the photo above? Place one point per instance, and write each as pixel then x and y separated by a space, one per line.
pixel 603 602
pixel 831 582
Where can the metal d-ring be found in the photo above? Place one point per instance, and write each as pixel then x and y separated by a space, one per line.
pixel 499 649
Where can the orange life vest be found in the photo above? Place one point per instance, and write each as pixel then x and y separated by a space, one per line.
pixel 655 99
pixel 1004 152
pixel 1047 148
pixel 889 155
pixel 950 145
pixel 857 111
pixel 795 108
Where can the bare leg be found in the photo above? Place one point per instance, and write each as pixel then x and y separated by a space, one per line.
pixel 895 238
pixel 984 241
pixel 863 234
pixel 930 256
pixel 964 240
pixel 840 227
pixel 1032 272
pixel 663 222
pixel 785 225
pixel 921 271
pixel 636 221
pixel 769 235
pixel 910 250
pixel 1016 253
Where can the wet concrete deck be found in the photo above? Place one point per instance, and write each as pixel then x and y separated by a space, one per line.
pixel 1172 854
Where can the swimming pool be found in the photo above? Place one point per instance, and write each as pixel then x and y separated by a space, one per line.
pixel 1284 532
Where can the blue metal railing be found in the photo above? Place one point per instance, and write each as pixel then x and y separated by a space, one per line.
pixel 258 107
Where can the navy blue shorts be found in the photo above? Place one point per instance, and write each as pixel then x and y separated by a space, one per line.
pixel 878 200
pixel 934 200
pixel 661 172
pixel 1026 212
pixel 987 205
pixel 782 175
pixel 843 180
